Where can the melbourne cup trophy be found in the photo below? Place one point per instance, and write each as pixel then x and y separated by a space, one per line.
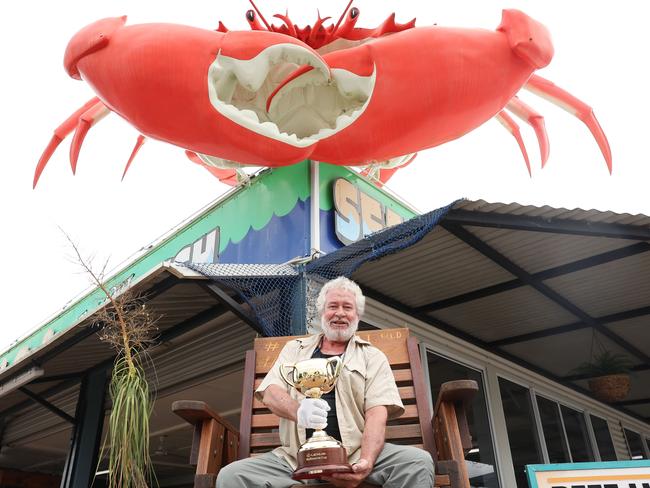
pixel 321 455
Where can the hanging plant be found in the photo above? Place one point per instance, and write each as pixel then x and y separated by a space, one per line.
pixel 609 375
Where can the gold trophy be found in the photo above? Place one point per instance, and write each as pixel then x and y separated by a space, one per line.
pixel 321 455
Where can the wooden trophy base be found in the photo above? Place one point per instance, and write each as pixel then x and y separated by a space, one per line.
pixel 319 462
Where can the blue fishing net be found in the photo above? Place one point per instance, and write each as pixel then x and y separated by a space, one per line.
pixel 281 297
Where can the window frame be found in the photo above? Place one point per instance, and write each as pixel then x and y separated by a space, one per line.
pixel 642 438
pixel 539 430
pixel 482 369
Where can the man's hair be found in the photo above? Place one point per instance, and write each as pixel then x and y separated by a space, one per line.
pixel 341 283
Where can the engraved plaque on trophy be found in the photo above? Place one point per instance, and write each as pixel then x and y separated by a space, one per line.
pixel 321 455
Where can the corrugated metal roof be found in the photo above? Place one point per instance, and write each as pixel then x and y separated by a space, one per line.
pixel 514 312
pixel 635 330
pixel 79 348
pixel 417 269
pixel 548 212
pixel 497 271
pixel 613 287
pixel 440 267
pixel 535 251
pixel 561 354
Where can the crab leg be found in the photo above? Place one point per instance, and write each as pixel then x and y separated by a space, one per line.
pixel 513 128
pixel 89 118
pixel 536 121
pixel 138 144
pixel 60 133
pixel 563 99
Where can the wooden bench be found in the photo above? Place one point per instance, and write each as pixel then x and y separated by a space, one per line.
pixel 445 435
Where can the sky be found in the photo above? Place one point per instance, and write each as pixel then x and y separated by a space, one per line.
pixel 600 57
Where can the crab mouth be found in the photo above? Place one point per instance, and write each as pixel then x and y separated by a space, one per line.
pixel 261 94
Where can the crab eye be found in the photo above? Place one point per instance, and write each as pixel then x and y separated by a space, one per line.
pixel 354 13
pixel 250 15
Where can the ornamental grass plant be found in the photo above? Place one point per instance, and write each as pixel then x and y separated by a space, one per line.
pixel 125 323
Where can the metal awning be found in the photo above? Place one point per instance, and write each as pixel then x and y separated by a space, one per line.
pixel 182 299
pixel 540 286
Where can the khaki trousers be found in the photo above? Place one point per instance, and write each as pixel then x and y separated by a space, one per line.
pixel 396 467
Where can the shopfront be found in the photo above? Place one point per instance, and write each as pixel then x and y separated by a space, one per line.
pixel 514 297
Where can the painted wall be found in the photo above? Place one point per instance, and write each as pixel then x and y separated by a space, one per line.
pixel 265 221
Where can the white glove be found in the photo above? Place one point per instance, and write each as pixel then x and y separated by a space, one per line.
pixel 312 413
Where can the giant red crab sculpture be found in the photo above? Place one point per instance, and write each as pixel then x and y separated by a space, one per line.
pixel 277 95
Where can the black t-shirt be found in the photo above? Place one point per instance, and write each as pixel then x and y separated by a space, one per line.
pixel 332 428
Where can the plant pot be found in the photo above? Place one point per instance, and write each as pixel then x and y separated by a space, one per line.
pixel 610 388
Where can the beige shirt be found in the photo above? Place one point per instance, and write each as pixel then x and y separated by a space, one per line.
pixel 366 381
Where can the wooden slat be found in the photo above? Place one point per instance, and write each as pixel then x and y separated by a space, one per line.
pixel 403 375
pixel 211 447
pixel 449 436
pixel 392 342
pixel 441 480
pixel 422 398
pixel 265 439
pixel 195 412
pixel 232 447
pixel 407 431
pixel 271 421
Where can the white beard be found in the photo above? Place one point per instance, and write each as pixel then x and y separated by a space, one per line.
pixel 339 335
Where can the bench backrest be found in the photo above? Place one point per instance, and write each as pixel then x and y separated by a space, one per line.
pixel 259 427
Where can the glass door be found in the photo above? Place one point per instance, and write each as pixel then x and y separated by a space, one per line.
pixel 480 459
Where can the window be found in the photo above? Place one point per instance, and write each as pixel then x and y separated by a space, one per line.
pixel 520 424
pixel 634 444
pixel 556 445
pixel 481 465
pixel 576 432
pixel 603 439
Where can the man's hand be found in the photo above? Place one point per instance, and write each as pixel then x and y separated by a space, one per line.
pixel 312 413
pixel 360 471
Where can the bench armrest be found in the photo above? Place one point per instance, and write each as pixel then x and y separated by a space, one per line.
pixel 451 431
pixel 215 441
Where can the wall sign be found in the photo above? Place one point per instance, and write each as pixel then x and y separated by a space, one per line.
pixel 204 250
pixel 615 474
pixel 357 214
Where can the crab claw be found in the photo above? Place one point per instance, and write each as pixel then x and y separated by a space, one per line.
pixel 563 99
pixel 88 40
pixel 528 39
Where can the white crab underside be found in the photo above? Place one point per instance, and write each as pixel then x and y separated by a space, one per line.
pixel 310 107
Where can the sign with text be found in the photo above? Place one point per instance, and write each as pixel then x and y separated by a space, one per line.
pixel 357 214
pixel 615 474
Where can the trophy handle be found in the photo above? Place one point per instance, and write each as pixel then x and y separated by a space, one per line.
pixel 334 365
pixel 285 376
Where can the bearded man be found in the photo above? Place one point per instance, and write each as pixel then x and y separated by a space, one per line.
pixel 355 412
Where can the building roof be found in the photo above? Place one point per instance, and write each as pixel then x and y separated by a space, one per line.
pixel 544 287
pixel 539 286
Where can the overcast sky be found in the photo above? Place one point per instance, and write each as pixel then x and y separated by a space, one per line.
pixel 601 52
